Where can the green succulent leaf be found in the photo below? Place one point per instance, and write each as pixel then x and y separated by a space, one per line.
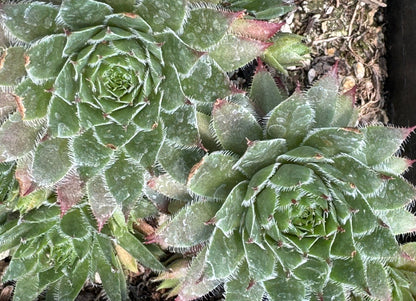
pixel 241 287
pixel 283 288
pixel 349 271
pixel 291 120
pixel 401 221
pixel 35 98
pixel 260 154
pixel 63 121
pixel 269 9
pixel 287 50
pixel 46 59
pixel 228 218
pixel 190 226
pixel 224 127
pixel 225 52
pixel 264 92
pixel 39 20
pixel 378 282
pixel 382 142
pixel 162 14
pixel 224 254
pixel 102 203
pixel 214 176
pixel 198 30
pixel 48 170
pixel 16 138
pixel 12 66
pixel 195 284
pixel 77 14
pixel 334 141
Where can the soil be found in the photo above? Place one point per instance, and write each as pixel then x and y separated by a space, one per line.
pixel 348 31
pixel 353 33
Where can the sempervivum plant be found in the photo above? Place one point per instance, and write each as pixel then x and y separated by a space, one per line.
pixel 103 87
pixel 294 202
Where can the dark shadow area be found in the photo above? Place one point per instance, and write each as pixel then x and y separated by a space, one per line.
pixel 401 83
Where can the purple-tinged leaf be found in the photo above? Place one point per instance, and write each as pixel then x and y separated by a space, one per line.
pixel 69 191
pixel 17 138
pixel 102 203
pixel 255 29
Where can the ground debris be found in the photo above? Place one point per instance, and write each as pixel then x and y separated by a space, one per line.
pixel 351 31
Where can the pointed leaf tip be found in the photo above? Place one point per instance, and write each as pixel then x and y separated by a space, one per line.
pixel 408 131
pixel 352 94
pixel 219 103
pixel 260 30
pixel 69 191
pixel 410 162
pixel 334 70
pixel 260 66
pixel 151 239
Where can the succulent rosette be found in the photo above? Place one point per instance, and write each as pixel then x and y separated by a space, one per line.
pixel 103 87
pixel 301 205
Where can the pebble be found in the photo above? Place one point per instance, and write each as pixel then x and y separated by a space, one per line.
pixel 348 83
pixel 311 75
pixel 359 70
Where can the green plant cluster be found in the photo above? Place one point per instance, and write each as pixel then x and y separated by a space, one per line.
pixel 298 205
pixel 116 111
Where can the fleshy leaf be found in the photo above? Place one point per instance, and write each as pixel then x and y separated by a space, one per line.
pixel 16 138
pixel 264 92
pixel 177 161
pixel 260 261
pixel 378 282
pixel 205 82
pixel 190 226
pixel 162 14
pixel 228 218
pixel 224 254
pixel 101 201
pixel 46 58
pixel 255 29
pixel 48 169
pixel 382 142
pixel 207 137
pixel 214 176
pixel 349 271
pixel 30 21
pixel 86 13
pixel 145 145
pixel 291 120
pixel 395 193
pixel 379 244
pixel 224 126
pixel 69 191
pixel 242 288
pixel 332 141
pixel 248 49
pixel 35 98
pixel 401 221
pixel 196 283
pixel 125 179
pixel 12 66
pixel 323 95
pixel 290 175
pixel 63 121
pixel 285 288
pixel 167 186
pixel 287 50
pixel 88 151
pixel 181 125
pixel 198 30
